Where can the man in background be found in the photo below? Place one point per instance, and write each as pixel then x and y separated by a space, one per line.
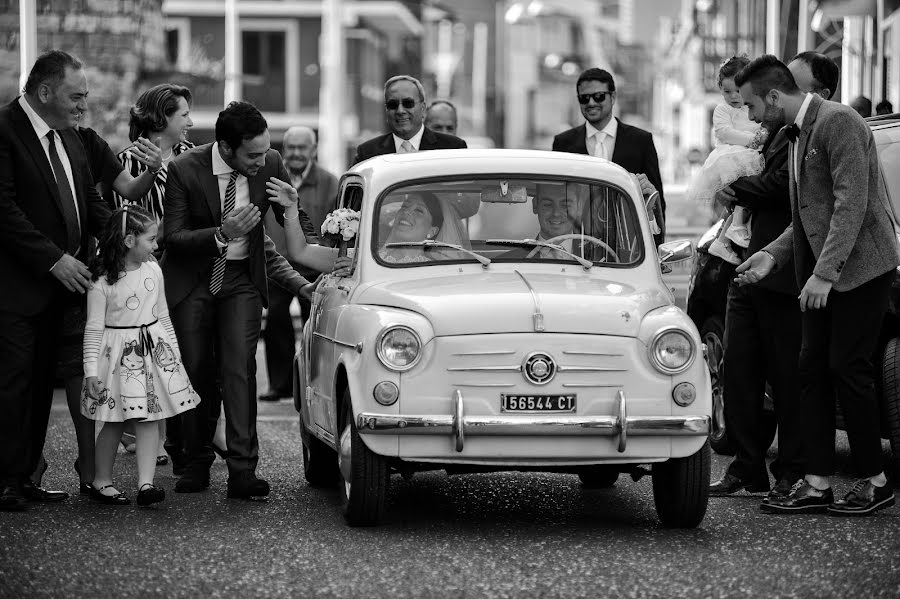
pixel 441 117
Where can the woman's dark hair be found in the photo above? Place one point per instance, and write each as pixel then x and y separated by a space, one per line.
pixel 731 67
pixel 50 68
pixel 111 249
pixel 433 205
pixel 149 114
pixel 239 121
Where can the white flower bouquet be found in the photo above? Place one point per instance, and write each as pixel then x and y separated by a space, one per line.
pixel 340 226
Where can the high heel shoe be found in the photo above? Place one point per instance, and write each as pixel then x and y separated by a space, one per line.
pixel 83 488
pixel 149 494
pixel 118 499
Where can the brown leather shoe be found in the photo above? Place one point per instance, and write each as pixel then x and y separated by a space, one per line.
pixel 803 499
pixel 863 499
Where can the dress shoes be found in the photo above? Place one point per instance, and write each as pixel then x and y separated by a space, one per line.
pixel 273 396
pixel 781 489
pixel 863 499
pixel 193 481
pixel 247 486
pixel 117 499
pixel 35 494
pixel 11 499
pixel 84 488
pixel 730 484
pixel 150 494
pixel 803 499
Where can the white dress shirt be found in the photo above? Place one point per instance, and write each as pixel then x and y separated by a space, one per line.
pixel 238 248
pixel 414 141
pixel 602 146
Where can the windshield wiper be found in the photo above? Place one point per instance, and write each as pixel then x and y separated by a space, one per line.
pixel 431 243
pixel 587 264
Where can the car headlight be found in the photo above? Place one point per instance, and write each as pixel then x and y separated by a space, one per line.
pixel 398 348
pixel 672 351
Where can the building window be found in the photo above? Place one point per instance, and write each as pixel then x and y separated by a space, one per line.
pixel 264 73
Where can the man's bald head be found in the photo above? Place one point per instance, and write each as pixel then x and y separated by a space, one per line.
pixel 441 117
pixel 299 149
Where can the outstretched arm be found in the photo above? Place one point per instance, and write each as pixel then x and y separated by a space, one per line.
pixel 313 256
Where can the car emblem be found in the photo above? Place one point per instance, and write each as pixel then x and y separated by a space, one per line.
pixel 539 368
pixel 504 188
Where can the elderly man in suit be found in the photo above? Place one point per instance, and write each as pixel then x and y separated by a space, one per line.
pixel 216 263
pixel 843 249
pixel 404 108
pixel 762 322
pixel 50 206
pixel 607 137
pixel 317 192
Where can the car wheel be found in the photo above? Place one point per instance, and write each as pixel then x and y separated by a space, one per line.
pixel 681 489
pixel 598 477
pixel 364 474
pixel 890 373
pixel 713 334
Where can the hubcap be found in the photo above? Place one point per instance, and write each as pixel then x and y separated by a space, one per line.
pixel 345 458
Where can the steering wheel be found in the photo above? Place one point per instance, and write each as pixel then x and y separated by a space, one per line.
pixel 611 252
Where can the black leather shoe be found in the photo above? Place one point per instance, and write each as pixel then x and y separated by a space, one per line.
pixel 247 486
pixel 149 494
pixel 803 499
pixel 193 481
pixel 11 499
pixel 863 499
pixel 162 460
pixel 118 499
pixel 781 490
pixel 35 494
pixel 84 489
pixel 730 484
pixel 273 396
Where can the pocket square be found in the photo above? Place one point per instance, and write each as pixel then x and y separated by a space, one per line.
pixel 811 153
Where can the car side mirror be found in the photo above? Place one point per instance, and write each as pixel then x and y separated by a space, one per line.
pixel 676 251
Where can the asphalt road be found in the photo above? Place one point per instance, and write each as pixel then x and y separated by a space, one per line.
pixel 485 535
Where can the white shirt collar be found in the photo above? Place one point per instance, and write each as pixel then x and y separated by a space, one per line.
pixel 415 140
pixel 612 127
pixel 219 166
pixel 41 128
pixel 801 114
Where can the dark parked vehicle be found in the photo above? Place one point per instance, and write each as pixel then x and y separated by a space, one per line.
pixel 708 290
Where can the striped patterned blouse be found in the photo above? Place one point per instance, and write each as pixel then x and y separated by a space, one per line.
pixel 153 200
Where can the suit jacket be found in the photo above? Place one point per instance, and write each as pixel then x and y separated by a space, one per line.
pixel 316 196
pixel 767 195
pixel 384 144
pixel 193 209
pixel 33 231
pixel 839 208
pixel 634 151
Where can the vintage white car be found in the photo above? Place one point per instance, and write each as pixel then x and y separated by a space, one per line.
pixel 505 311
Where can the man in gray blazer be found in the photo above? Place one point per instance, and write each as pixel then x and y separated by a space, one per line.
pixel 844 252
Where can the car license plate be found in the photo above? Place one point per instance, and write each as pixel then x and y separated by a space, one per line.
pixel 537 403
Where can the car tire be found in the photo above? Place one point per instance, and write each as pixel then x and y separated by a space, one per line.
pixel 364 474
pixel 713 335
pixel 598 477
pixel 890 377
pixel 319 463
pixel 681 489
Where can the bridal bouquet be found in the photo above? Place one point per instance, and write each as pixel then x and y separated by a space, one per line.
pixel 340 225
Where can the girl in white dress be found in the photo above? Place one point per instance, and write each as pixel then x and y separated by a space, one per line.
pixel 132 364
pixel 736 155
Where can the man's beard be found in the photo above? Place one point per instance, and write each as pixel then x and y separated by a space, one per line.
pixel 773 118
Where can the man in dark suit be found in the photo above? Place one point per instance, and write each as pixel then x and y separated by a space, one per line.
pixel 762 322
pixel 216 264
pixel 843 249
pixel 50 207
pixel 404 107
pixel 607 137
pixel 317 194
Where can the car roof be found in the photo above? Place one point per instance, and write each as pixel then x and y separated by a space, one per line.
pixel 389 169
pixel 882 120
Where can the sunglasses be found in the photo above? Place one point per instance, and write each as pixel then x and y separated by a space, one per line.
pixel 599 97
pixel 394 104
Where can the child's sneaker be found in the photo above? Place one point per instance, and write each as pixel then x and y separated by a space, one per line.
pixel 739 235
pixel 720 250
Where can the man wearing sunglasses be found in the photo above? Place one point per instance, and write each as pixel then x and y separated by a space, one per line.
pixel 404 109
pixel 604 136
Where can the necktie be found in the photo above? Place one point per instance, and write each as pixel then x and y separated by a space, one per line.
pixel 70 212
pixel 792 131
pixel 599 148
pixel 406 147
pixel 218 271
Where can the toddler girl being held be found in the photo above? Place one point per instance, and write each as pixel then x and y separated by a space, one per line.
pixel 132 364
pixel 737 154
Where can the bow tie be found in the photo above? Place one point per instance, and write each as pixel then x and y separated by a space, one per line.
pixel 792 131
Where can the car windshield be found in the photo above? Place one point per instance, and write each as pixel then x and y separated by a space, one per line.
pixel 507 220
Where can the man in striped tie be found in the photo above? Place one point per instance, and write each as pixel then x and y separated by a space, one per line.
pixel 217 261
